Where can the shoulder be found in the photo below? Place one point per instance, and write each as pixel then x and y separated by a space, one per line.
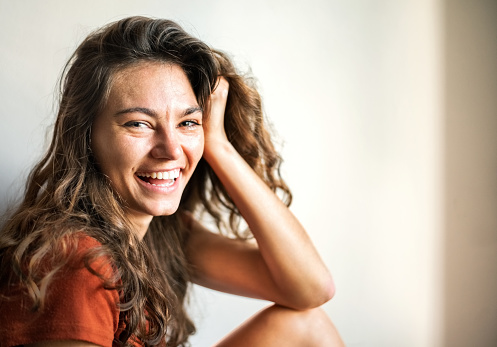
pixel 88 259
pixel 79 304
pixel 86 250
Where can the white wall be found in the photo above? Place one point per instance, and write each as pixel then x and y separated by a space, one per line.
pixel 355 91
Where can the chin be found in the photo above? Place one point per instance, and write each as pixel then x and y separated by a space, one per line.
pixel 167 211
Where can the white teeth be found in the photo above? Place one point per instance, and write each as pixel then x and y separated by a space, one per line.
pixel 165 175
pixel 170 183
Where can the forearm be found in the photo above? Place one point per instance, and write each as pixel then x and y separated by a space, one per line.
pixel 287 251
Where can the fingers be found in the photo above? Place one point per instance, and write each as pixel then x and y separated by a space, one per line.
pixel 218 99
pixel 222 87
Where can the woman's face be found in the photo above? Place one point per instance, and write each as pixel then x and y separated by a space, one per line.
pixel 149 138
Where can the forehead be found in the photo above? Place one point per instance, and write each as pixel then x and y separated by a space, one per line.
pixel 150 82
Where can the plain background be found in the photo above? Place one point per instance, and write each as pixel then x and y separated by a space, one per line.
pixel 386 116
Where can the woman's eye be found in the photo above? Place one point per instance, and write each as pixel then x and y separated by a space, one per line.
pixel 136 124
pixel 189 124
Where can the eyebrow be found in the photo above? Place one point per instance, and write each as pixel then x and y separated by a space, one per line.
pixel 151 113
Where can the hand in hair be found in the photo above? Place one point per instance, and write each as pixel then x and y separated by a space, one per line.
pixel 214 132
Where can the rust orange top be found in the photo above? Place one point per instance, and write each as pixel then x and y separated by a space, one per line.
pixel 77 307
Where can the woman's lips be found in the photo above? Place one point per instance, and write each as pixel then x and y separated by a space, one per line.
pixel 159 179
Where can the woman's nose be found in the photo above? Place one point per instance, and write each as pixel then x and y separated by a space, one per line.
pixel 167 145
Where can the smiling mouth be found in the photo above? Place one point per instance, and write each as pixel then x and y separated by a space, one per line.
pixel 159 178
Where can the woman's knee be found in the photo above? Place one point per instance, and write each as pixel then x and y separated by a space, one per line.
pixel 312 327
pixel 281 326
pixel 293 320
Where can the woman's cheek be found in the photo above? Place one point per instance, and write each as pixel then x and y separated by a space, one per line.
pixel 196 147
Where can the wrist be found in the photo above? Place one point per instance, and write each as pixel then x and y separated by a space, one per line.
pixel 216 151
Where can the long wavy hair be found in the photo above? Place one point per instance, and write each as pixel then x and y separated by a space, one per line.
pixel 66 194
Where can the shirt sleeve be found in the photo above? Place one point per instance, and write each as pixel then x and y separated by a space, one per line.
pixel 77 307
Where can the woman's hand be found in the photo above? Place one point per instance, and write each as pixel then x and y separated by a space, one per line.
pixel 214 132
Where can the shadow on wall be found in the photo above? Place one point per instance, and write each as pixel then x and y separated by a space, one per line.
pixel 470 314
pixel 11 189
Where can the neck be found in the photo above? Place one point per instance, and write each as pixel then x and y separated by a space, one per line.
pixel 139 223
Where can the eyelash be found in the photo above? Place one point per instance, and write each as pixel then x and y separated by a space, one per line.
pixel 191 124
pixel 136 124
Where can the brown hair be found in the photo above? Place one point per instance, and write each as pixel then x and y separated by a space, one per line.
pixel 248 132
pixel 66 194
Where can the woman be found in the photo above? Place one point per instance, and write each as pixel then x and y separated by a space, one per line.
pixel 154 128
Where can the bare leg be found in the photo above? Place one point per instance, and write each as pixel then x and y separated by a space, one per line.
pixel 281 326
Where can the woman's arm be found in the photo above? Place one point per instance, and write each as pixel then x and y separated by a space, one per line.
pixel 284 266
